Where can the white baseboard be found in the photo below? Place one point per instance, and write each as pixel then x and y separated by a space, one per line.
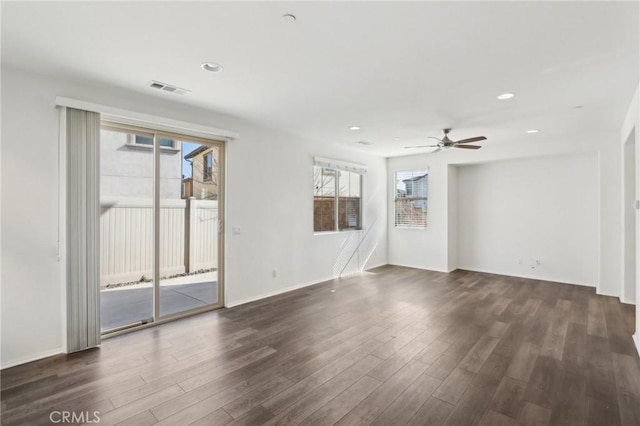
pixel 529 277
pixel 627 301
pixel 607 293
pixel 421 267
pixel 290 288
pixel 274 293
pixel 369 267
pixel 31 358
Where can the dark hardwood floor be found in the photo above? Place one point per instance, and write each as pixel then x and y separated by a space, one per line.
pixel 390 347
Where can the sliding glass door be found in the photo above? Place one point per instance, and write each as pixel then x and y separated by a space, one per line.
pixel 188 244
pixel 160 226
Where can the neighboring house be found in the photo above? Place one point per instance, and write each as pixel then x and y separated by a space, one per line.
pixel 126 166
pixel 203 183
pixel 417 187
pixel 411 202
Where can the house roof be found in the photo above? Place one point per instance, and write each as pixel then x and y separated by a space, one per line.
pixel 197 151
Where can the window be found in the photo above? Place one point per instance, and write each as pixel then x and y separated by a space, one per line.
pixel 337 197
pixel 412 188
pixel 145 140
pixel 207 174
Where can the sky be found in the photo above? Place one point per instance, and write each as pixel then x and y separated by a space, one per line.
pixel 187 147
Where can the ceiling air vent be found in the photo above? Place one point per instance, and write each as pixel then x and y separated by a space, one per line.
pixel 168 88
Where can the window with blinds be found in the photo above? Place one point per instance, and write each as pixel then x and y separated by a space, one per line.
pixel 337 196
pixel 412 189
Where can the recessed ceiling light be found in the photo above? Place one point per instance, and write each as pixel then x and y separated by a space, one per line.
pixel 212 67
pixel 533 131
pixel 396 139
pixel 289 18
pixel 354 128
pixel 504 96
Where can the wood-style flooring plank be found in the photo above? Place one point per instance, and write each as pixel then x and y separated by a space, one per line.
pixel 408 404
pixel 523 362
pixel 452 388
pixel 339 406
pixel 391 346
pixel 492 418
pixel 509 397
pixel 534 415
pixel 596 322
pixel 478 354
pixel 433 412
pixel 626 370
pixel 602 413
pixel 374 404
pixel 473 404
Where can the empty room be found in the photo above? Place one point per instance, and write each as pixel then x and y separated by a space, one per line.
pixel 270 213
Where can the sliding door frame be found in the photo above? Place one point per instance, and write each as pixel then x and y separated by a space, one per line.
pixel 221 145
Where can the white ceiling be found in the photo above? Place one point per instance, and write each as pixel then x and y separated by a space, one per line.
pixel 396 69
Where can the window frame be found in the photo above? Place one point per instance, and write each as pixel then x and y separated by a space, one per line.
pixel 336 200
pixel 396 200
pixel 132 142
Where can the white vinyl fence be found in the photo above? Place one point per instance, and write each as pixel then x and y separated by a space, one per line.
pixel 188 238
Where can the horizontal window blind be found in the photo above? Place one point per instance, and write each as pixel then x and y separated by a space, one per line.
pixel 411 198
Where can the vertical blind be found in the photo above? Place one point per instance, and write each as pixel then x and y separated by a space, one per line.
pixel 83 297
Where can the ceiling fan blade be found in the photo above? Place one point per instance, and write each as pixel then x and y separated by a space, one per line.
pixel 470 140
pixel 422 146
pixel 467 146
pixel 436 150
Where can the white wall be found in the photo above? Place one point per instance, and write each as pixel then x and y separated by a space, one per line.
pixel 421 248
pixel 276 218
pixel 630 178
pixel 514 213
pixel 632 125
pixel 438 246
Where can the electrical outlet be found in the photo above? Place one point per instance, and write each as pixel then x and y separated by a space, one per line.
pixel 274 273
pixel 237 230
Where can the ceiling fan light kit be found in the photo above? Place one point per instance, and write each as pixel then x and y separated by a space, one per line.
pixel 446 143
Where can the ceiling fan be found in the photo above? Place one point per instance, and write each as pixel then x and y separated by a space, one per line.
pixel 446 143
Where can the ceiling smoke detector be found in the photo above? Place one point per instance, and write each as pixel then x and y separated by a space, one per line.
pixel 168 88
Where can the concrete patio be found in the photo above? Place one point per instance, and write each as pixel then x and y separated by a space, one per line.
pixel 130 304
